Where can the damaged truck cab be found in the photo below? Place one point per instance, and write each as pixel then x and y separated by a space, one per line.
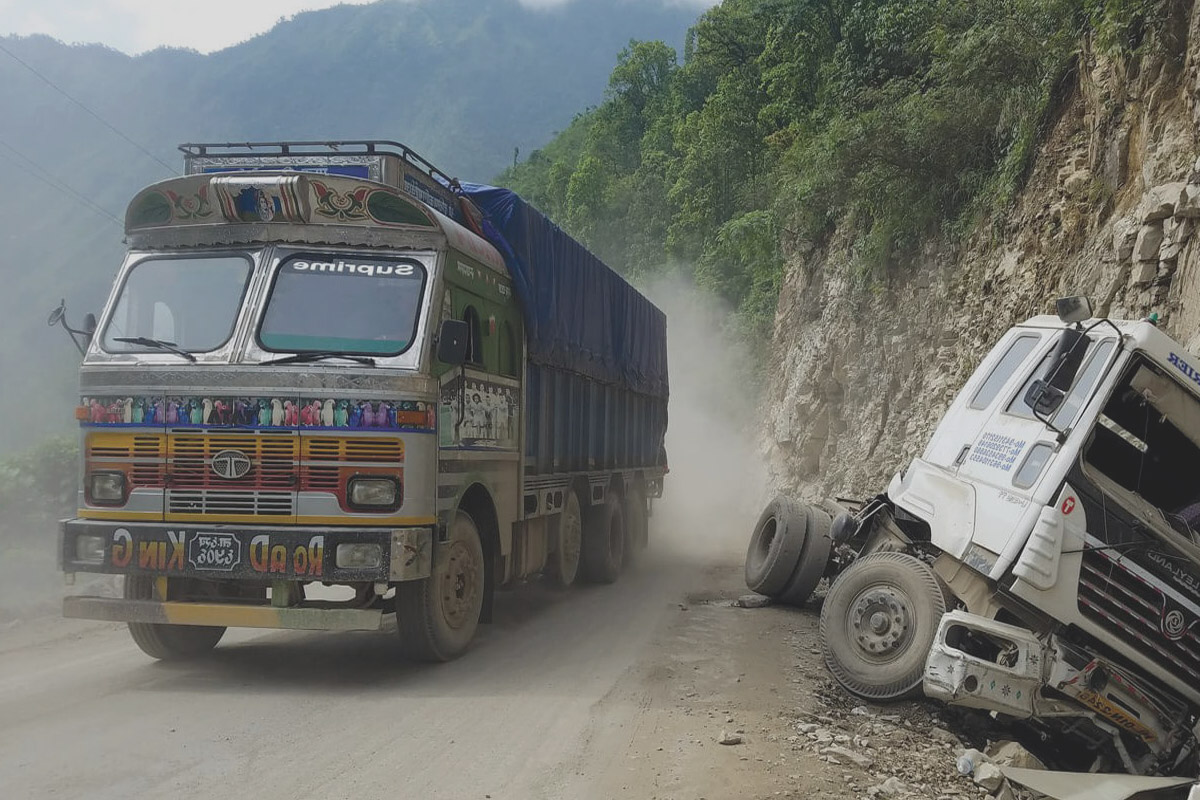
pixel 1041 558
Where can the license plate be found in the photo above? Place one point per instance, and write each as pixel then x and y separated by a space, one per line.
pixel 214 552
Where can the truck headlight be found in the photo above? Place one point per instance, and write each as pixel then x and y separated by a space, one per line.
pixel 359 555
pixel 90 549
pixel 107 488
pixel 373 494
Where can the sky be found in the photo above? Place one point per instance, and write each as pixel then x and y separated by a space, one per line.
pixel 135 26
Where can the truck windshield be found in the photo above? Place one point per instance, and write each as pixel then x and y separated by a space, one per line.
pixel 1148 443
pixel 189 302
pixel 346 304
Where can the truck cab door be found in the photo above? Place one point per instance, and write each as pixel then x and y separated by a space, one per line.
pixel 997 376
pixel 1014 450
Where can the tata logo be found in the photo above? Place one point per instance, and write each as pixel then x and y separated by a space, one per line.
pixel 231 464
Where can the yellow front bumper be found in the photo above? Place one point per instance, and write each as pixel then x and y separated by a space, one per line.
pixel 227 615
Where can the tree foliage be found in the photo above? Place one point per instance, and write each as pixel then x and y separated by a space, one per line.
pixel 890 120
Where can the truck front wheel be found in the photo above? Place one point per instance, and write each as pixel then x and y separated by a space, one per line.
pixel 167 642
pixel 438 616
pixel 878 623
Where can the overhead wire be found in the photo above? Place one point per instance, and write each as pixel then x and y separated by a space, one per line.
pixel 31 168
pixel 145 151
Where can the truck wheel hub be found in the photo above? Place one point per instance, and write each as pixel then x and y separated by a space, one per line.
pixel 458 585
pixel 880 621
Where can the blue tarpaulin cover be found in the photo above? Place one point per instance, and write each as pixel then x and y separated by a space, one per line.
pixel 579 314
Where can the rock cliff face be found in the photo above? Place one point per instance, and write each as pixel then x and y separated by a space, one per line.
pixel 866 367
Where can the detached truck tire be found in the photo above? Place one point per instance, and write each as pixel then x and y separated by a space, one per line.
pixel 814 557
pixel 775 546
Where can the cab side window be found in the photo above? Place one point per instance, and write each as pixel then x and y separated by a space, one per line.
pixel 1018 351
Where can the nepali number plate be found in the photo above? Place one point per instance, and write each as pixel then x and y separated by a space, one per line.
pixel 216 552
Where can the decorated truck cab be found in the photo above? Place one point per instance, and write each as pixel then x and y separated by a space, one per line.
pixel 332 364
pixel 1041 559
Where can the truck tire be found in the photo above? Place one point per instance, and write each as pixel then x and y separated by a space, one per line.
pixel 167 642
pixel 814 557
pixel 437 616
pixel 637 523
pixel 775 546
pixel 604 541
pixel 563 565
pixel 878 624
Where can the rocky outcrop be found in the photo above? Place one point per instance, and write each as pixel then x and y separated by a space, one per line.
pixel 866 366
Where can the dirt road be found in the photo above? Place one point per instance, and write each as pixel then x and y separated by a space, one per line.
pixel 618 691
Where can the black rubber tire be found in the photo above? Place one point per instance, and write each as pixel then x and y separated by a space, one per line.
pixel 905 592
pixel 637 523
pixel 562 565
pixel 603 540
pixel 814 557
pixel 438 616
pixel 167 642
pixel 775 546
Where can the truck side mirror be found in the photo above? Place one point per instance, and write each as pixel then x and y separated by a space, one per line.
pixel 1073 309
pixel 1046 395
pixel 452 341
pixel 89 325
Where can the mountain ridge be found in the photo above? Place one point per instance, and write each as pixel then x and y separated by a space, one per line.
pixel 463 83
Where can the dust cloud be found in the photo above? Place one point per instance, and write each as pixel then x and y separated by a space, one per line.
pixel 717 485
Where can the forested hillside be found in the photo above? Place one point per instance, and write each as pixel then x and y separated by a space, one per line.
pixel 463 82
pixel 787 120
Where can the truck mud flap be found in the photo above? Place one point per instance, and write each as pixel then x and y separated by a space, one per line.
pixel 222 614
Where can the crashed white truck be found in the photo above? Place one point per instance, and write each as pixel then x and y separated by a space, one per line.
pixel 1040 560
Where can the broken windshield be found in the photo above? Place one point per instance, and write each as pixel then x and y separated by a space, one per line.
pixel 189 303
pixel 343 304
pixel 1148 441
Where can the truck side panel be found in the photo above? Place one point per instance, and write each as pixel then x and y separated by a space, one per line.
pixel 578 424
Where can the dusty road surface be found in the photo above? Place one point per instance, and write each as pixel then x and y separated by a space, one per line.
pixel 617 691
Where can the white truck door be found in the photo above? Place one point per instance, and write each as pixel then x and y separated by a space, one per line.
pixel 1014 449
pixel 997 376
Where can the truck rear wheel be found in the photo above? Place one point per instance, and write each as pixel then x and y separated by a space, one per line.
pixel 563 565
pixel 437 616
pixel 604 541
pixel 775 546
pixel 878 624
pixel 167 642
pixel 814 557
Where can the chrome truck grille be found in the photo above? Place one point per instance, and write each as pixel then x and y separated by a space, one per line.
pixel 1121 594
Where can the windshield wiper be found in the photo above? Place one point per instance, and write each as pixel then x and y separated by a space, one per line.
pixel 304 358
pixel 170 347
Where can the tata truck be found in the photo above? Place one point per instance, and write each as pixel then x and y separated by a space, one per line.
pixel 1040 560
pixel 332 385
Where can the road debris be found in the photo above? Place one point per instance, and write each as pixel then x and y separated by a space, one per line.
pixel 753 601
